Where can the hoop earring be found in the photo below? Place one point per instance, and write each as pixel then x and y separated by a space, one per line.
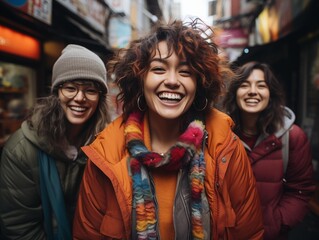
pixel 201 108
pixel 139 99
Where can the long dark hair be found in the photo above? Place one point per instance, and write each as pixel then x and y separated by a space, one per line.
pixel 272 118
pixel 47 118
pixel 193 41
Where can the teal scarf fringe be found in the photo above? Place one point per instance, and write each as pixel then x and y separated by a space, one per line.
pixel 52 198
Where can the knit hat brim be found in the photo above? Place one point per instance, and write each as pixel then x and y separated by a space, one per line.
pixel 78 63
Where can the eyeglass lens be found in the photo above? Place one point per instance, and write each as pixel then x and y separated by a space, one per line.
pixel 70 90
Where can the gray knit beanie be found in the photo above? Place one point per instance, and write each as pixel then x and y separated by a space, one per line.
pixel 78 63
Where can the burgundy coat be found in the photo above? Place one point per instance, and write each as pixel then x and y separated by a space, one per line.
pixel 284 198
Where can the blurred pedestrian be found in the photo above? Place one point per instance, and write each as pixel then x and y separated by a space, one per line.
pixel 255 101
pixel 170 166
pixel 42 163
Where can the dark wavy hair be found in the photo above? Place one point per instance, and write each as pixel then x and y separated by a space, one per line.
pixel 48 119
pixel 271 118
pixel 193 41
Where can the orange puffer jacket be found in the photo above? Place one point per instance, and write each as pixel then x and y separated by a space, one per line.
pixel 104 208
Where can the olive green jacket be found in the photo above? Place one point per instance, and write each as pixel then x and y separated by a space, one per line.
pixel 21 215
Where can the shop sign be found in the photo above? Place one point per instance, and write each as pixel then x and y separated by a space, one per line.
pixel 120 32
pixel 39 9
pixel 232 38
pixel 120 5
pixel 10 42
pixel 277 19
pixel 91 11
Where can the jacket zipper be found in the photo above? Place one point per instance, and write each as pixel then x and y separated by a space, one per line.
pixel 217 186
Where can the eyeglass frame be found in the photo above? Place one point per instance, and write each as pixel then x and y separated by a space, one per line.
pixel 99 92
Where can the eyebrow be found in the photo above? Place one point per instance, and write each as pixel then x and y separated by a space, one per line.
pixel 258 81
pixel 158 60
pixel 164 60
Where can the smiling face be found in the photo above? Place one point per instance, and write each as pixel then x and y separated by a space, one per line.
pixel 169 85
pixel 78 109
pixel 252 96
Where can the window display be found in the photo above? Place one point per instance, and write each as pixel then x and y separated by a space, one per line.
pixel 17 95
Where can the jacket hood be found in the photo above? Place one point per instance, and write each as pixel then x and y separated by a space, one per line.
pixel 67 152
pixel 288 122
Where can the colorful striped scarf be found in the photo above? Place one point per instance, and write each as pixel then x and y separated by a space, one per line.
pixel 187 150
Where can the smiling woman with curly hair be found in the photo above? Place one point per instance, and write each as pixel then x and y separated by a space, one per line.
pixel 170 167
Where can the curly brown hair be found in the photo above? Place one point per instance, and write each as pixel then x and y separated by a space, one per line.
pixel 193 41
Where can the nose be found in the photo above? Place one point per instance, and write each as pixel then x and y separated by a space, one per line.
pixel 252 90
pixel 80 96
pixel 172 80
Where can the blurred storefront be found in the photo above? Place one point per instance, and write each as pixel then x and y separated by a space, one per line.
pixel 20 57
pixel 32 35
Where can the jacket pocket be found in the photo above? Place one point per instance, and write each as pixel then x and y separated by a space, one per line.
pixel 112 227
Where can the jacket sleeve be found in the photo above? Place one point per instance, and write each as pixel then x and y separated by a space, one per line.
pixel 243 195
pixel 299 185
pixel 20 205
pixel 98 214
pixel 88 215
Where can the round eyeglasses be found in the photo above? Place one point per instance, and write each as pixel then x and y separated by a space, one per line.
pixel 70 90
